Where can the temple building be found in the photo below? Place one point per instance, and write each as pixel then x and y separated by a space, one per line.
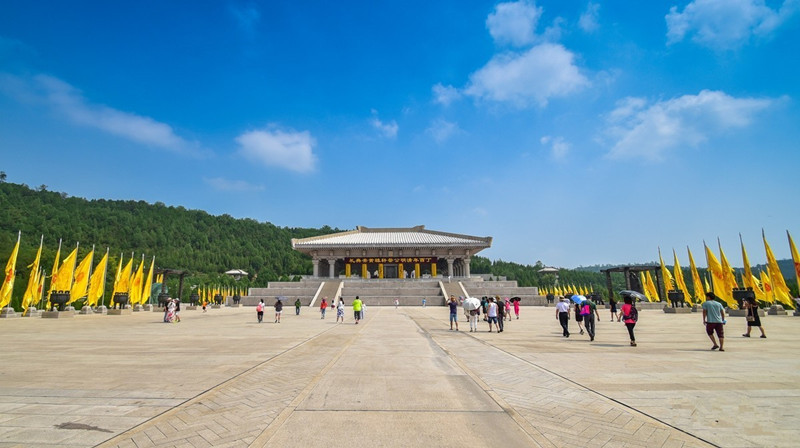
pixel 391 253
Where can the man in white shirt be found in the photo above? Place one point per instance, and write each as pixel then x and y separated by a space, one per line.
pixel 562 315
pixel 491 313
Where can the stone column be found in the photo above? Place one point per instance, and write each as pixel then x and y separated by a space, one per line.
pixel 450 267
pixel 315 262
pixel 331 267
pixel 466 267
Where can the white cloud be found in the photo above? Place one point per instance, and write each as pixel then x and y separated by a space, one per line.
pixel 534 76
pixel 246 17
pixel 559 149
pixel 445 95
pixel 69 101
pixel 514 23
pixel 273 147
pixel 651 131
pixel 589 19
pixel 726 24
pixel 222 184
pixel 388 130
pixel 442 130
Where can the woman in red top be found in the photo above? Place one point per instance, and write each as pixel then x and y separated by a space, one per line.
pixel 628 311
pixel 323 307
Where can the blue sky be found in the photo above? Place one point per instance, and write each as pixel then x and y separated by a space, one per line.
pixel 572 132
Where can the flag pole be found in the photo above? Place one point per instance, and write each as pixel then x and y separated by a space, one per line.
pixel 105 273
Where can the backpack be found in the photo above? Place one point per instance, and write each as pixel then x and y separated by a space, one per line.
pixel 586 310
pixel 633 314
pixel 260 307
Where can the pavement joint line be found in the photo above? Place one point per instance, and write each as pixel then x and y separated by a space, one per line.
pixel 582 386
pixel 535 435
pixel 269 432
pixel 174 409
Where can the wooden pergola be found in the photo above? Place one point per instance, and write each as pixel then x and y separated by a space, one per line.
pixel 168 272
pixel 627 271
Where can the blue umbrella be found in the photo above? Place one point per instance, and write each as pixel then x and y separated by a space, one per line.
pixel 577 298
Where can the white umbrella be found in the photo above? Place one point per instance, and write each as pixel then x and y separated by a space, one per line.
pixel 471 303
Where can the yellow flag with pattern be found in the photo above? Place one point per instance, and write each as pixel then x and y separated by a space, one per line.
pixel 8 280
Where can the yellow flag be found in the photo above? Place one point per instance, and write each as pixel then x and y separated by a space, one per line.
pixel 665 275
pixel 80 285
pixel 747 277
pixel 148 284
pixel 757 289
pixel 30 296
pixel 64 278
pixel 766 283
pixel 653 289
pixel 718 279
pixel 795 260
pixel 779 287
pixel 123 283
pixel 697 284
pixel 10 273
pixel 727 271
pixel 645 288
pixel 136 284
pixel 679 282
pixel 97 284
pixel 54 274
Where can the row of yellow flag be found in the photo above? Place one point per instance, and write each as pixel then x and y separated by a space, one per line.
pixel 207 293
pixel 769 287
pixel 566 289
pixel 78 279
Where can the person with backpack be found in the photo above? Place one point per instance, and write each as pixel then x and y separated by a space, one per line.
pixel 260 310
pixel 631 316
pixel 589 311
pixel 278 310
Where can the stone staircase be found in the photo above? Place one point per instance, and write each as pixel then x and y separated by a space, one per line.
pixel 303 290
pixel 383 292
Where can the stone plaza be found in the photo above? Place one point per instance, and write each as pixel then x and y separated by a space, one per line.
pixel 401 378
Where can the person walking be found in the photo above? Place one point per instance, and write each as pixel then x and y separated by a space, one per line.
pixel 589 311
pixel 714 320
pixel 356 310
pixel 631 316
pixel 753 319
pixel 340 310
pixel 516 308
pixel 453 304
pixel 363 310
pixel 297 305
pixel 507 305
pixel 177 309
pixel 491 314
pixel 473 319
pixel 396 303
pixel 501 315
pixel 323 307
pixel 613 304
pixel 579 316
pixel 424 302
pixel 278 310
pixel 562 315
pixel 260 310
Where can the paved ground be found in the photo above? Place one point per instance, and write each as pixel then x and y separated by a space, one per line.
pixel 398 379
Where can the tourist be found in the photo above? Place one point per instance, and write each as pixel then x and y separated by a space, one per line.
pixel 363 310
pixel 516 308
pixel 453 304
pixel 356 310
pixel 491 313
pixel 484 306
pixel 424 302
pixel 714 320
pixel 631 316
pixel 578 316
pixel 753 319
pixel 562 315
pixel 613 304
pixel 177 309
pixel 473 319
pixel 589 311
pixel 340 310
pixel 396 303
pixel 166 310
pixel 205 303
pixel 260 310
pixel 297 305
pixel 278 309
pixel 323 307
pixel 501 314
pixel 508 309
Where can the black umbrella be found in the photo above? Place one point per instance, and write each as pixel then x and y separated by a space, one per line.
pixel 516 299
pixel 634 295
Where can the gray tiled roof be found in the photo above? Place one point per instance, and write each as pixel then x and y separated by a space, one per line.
pixel 395 237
